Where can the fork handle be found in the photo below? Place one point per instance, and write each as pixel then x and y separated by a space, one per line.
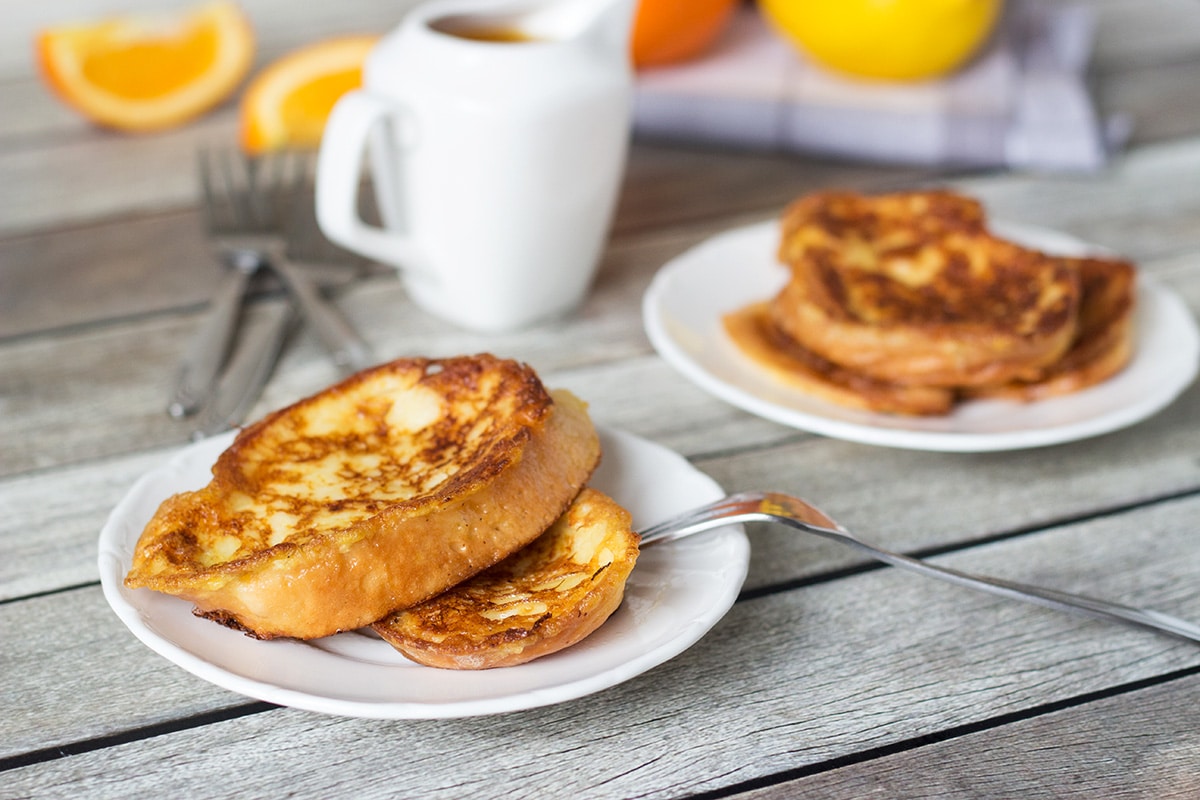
pixel 727 512
pixel 247 374
pixel 1038 595
pixel 350 352
pixel 210 344
pixel 1049 598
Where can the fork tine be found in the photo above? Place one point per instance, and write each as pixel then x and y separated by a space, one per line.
pixel 247 187
pixel 298 182
pixel 275 186
pixel 257 195
pixel 204 173
pixel 264 171
pixel 301 228
pixel 236 190
pixel 207 352
pixel 273 189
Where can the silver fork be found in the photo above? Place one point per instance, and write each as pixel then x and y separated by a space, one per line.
pixel 246 373
pixel 210 345
pixel 262 193
pixel 796 513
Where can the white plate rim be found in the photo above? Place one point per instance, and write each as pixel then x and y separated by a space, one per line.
pixel 1157 304
pixel 678 481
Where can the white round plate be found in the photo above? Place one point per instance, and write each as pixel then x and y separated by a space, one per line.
pixel 676 593
pixel 682 312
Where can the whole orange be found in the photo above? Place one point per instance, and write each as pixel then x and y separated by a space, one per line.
pixel 670 31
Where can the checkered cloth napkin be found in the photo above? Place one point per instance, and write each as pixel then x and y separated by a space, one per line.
pixel 1022 103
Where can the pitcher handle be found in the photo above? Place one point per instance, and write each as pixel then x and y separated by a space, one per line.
pixel 339 167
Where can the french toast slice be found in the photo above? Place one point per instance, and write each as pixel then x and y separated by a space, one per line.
pixel 911 289
pixel 754 333
pixel 1103 343
pixel 896 221
pixel 375 494
pixel 542 599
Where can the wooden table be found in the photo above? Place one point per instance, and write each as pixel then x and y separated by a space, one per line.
pixel 830 677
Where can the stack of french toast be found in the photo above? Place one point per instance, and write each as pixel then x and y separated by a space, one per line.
pixel 442 502
pixel 908 304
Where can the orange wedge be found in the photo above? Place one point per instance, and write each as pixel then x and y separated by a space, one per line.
pixel 146 73
pixel 287 104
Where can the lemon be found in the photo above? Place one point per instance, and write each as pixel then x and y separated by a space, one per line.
pixel 904 40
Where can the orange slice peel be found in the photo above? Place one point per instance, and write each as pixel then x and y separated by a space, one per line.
pixel 144 73
pixel 287 104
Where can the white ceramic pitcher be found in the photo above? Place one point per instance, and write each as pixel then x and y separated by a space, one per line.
pixel 498 132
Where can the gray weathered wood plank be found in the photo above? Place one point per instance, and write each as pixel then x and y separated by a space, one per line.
pixel 1146 209
pixel 1157 100
pixel 155 262
pixel 1142 744
pixel 977 495
pixel 823 662
pixel 121 404
pixel 914 688
pixel 1139 208
pixel 1132 35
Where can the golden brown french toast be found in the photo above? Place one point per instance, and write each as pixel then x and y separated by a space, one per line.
pixel 546 597
pixel 911 289
pixel 1103 343
pixel 756 335
pixel 905 303
pixel 888 222
pixel 375 494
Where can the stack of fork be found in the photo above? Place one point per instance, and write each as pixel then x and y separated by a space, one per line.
pixel 254 215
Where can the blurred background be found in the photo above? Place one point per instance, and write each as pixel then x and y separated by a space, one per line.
pixel 965 84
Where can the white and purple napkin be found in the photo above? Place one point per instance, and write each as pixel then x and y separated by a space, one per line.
pixel 1022 103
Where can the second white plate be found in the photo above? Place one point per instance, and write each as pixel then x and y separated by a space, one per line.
pixel 682 312
pixel 676 593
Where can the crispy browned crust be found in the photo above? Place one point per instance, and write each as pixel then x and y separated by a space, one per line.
pixel 1104 341
pixel 893 221
pixel 546 597
pixel 906 304
pixel 754 333
pixel 375 494
pixel 911 288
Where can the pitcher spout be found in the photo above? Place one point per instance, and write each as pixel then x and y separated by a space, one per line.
pixel 606 22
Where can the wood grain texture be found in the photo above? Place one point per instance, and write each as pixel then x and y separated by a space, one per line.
pixel 1144 210
pixel 1133 35
pixel 1140 209
pixel 881 493
pixel 886 658
pixel 1135 745
pixel 885 495
pixel 831 677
